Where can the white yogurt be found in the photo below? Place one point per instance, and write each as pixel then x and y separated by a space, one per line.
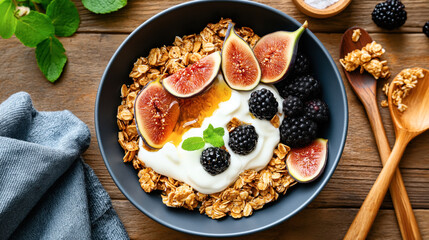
pixel 185 165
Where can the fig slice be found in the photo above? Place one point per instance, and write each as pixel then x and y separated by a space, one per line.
pixel 276 53
pixel 307 163
pixel 240 67
pixel 156 112
pixel 194 79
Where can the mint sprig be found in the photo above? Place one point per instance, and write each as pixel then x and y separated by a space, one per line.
pixel 36 24
pixel 103 6
pixel 34 28
pixel 193 143
pixel 7 19
pixel 51 58
pixel 211 135
pixel 214 136
pixel 65 17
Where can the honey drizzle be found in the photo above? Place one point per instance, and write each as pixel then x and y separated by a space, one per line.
pixel 194 110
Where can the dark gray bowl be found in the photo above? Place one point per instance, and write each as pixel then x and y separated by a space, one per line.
pixel 189 18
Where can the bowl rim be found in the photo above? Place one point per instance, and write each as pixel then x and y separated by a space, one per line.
pixel 328 173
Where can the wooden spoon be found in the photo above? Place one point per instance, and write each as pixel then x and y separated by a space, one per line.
pixel 364 85
pixel 407 125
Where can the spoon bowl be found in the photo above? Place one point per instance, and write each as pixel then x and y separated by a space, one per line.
pixel 408 124
pixel 365 86
pixel 416 118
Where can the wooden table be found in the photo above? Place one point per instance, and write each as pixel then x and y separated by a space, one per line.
pixel 331 213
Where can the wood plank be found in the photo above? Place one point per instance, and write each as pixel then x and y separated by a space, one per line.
pixel 357 13
pixel 89 53
pixel 331 223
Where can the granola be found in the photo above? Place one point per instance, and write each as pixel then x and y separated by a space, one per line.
pixel 367 59
pixel 406 80
pixel 356 35
pixel 253 189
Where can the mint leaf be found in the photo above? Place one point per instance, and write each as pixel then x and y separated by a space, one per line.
pixel 219 131
pixel 34 28
pixel 51 58
pixel 193 143
pixel 209 131
pixel 215 140
pixel 7 19
pixel 64 16
pixel 103 6
pixel 214 136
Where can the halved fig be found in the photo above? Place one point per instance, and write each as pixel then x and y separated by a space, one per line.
pixel 240 67
pixel 307 163
pixel 276 53
pixel 156 112
pixel 194 79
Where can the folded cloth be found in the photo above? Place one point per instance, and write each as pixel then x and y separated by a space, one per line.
pixel 46 190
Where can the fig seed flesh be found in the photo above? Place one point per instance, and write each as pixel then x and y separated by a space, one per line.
pixel 306 164
pixel 276 53
pixel 194 79
pixel 240 67
pixel 156 113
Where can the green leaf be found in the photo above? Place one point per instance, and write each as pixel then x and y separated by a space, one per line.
pixel 215 140
pixel 64 16
pixel 209 131
pixel 214 136
pixel 51 58
pixel 7 19
pixel 219 131
pixel 34 28
pixel 103 6
pixel 193 143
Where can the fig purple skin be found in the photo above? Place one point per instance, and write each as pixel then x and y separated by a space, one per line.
pixel 240 68
pixel 156 113
pixel 276 53
pixel 307 164
pixel 194 79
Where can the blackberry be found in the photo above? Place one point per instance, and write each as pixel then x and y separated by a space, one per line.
pixel 298 131
pixel 243 139
pixel 303 87
pixel 215 160
pixel 426 29
pixel 301 65
pixel 389 14
pixel 317 110
pixel 283 83
pixel 263 104
pixel 292 106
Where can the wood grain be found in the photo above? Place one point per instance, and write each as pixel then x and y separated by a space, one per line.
pixel 365 87
pixel 89 53
pixel 327 223
pixel 369 209
pixel 357 13
pixel 90 50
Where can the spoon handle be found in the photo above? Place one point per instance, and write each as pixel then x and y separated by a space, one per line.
pixel 369 209
pixel 404 212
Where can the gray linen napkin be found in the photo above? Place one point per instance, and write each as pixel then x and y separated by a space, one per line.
pixel 46 190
